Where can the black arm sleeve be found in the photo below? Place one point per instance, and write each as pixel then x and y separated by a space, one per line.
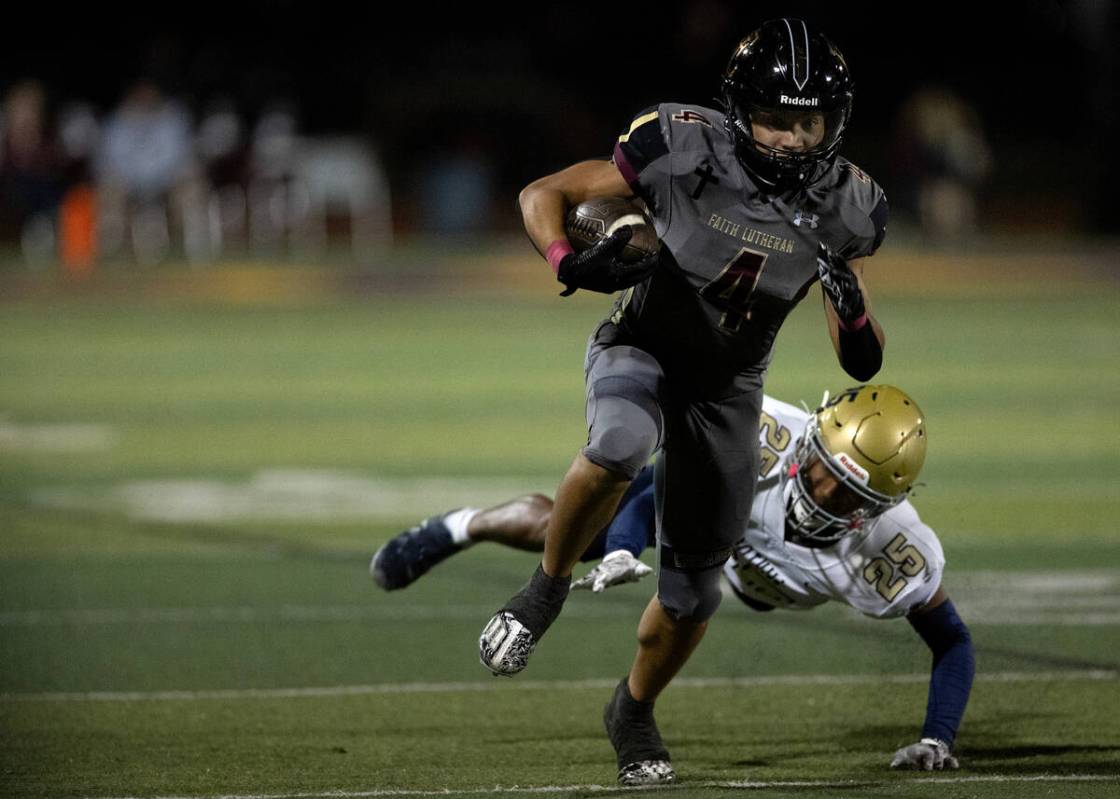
pixel 861 355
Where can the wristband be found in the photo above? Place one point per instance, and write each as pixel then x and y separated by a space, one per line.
pixel 556 253
pixel 861 354
pixel 854 325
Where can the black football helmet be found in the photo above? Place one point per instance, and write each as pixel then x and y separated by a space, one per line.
pixel 781 75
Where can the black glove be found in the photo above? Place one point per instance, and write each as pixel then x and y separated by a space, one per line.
pixel 840 284
pixel 601 268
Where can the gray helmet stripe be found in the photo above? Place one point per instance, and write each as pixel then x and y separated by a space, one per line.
pixel 793 54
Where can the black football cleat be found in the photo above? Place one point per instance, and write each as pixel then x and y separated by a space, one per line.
pixel 642 757
pixel 516 629
pixel 408 556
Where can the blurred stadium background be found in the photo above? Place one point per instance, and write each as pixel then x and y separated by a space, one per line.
pixel 264 301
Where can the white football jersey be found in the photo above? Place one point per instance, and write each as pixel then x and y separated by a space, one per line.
pixel 885 570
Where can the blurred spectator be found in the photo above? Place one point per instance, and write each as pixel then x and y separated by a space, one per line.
pixel 147 176
pixel 942 159
pixel 80 133
pixel 220 142
pixel 222 148
pixel 345 181
pixel 457 189
pixel 31 172
pixel 274 203
pixel 301 186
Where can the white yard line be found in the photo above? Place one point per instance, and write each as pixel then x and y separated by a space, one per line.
pixel 1057 583
pixel 981 618
pixel 540 685
pixel 57 437
pixel 1058 611
pixel 1042 602
pixel 376 611
pixel 531 790
pixel 290 495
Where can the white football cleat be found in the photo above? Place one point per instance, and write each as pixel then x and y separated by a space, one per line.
pixel 642 756
pixel 647 772
pixel 505 645
pixel 509 637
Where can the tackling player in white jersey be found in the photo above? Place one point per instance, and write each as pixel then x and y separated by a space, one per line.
pixel 830 521
pixel 803 547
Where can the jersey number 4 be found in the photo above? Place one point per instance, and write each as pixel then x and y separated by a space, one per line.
pixel 880 571
pixel 731 290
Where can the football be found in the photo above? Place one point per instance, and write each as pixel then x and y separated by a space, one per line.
pixel 598 218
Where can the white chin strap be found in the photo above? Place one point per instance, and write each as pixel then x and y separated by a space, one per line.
pixel 797 510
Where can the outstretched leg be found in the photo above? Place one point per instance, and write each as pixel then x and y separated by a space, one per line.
pixel 519 523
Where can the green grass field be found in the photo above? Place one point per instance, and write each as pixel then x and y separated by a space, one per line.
pixel 190 493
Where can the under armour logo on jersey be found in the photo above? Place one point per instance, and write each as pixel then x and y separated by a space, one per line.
pixel 688 115
pixel 809 219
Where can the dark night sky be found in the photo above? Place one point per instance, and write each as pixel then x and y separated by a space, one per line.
pixel 331 56
pixel 1042 76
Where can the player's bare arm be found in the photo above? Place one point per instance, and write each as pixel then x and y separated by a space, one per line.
pixel 602 266
pixel 544 202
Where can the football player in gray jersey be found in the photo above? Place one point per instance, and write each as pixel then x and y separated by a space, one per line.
pixel 752 205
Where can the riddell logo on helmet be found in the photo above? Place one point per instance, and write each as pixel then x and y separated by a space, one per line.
pixel 799 100
pixel 853 468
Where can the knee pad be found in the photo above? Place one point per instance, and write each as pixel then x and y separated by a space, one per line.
pixel 690 594
pixel 625 425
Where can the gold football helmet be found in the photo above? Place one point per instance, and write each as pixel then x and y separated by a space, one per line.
pixel 871 441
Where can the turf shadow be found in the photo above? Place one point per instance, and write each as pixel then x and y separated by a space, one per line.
pixel 1039 659
pixel 1043 759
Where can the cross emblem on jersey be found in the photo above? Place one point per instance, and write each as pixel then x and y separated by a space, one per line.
pixel 706 177
pixel 688 115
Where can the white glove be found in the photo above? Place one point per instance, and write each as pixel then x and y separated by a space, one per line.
pixel 615 568
pixel 928 754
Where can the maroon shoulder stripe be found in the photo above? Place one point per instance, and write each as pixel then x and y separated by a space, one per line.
pixel 623 164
